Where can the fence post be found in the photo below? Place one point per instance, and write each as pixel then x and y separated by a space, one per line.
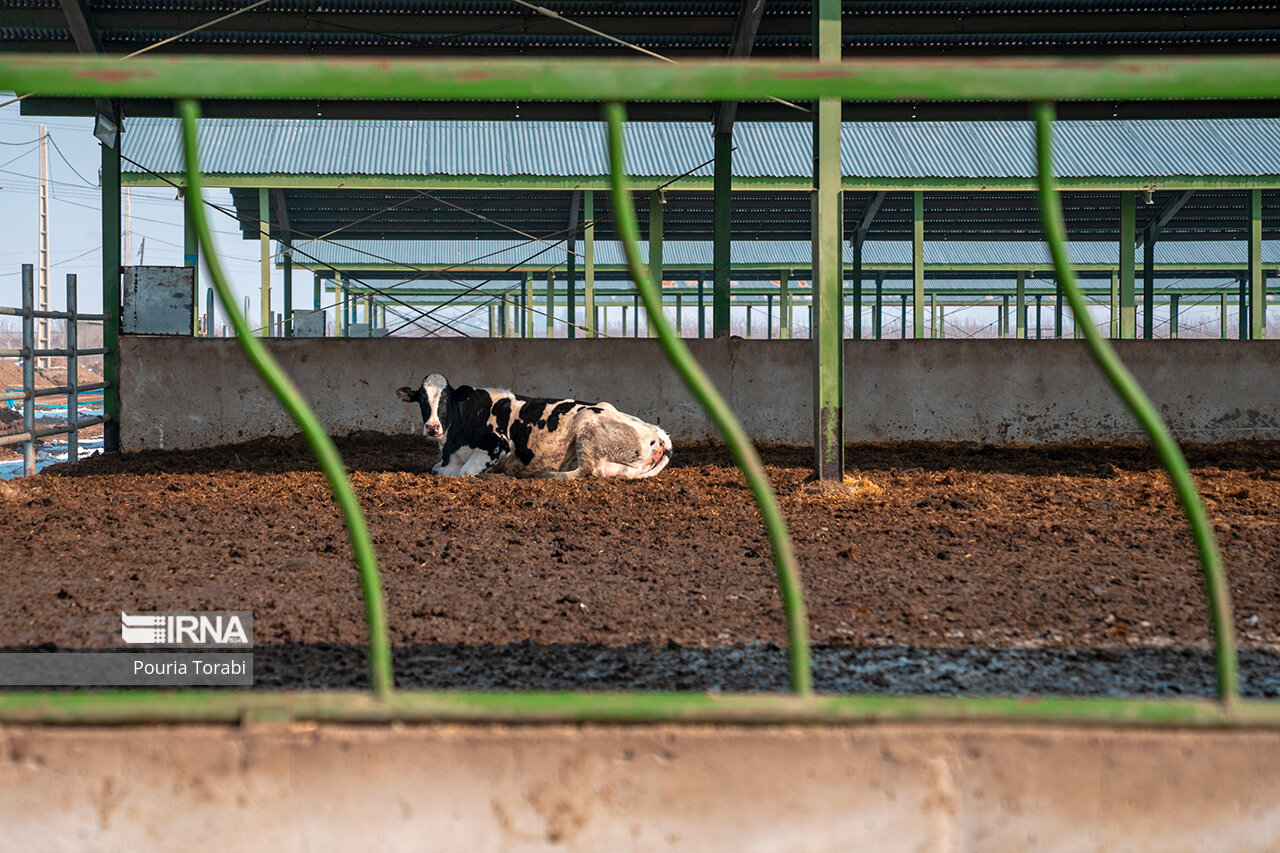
pixel 73 372
pixel 28 369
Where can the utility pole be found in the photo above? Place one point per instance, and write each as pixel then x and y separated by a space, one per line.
pixel 42 287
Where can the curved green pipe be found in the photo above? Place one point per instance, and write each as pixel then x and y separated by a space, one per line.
pixel 278 381
pixel 740 446
pixel 1215 582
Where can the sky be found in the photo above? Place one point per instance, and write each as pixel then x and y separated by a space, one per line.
pixel 75 224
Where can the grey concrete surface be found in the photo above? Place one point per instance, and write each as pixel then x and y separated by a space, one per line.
pixel 194 392
pixel 886 787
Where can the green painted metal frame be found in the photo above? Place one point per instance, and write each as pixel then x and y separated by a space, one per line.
pixel 111 296
pixel 988 79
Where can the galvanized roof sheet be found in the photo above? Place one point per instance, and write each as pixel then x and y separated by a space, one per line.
pixel 895 150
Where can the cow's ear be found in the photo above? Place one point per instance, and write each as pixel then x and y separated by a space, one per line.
pixel 409 395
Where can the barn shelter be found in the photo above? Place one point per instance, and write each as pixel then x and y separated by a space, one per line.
pixel 904 38
pixel 368 202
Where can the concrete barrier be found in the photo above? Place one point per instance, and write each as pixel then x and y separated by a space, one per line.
pixel 886 787
pixel 197 392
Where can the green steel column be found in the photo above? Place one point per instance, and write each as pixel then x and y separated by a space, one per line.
pixel 702 307
pixel 784 305
pixel 942 320
pixel 768 317
pixel 877 319
pixel 1039 317
pixel 1020 311
pixel 827 314
pixel 1242 303
pixel 1257 279
pixel 1128 312
pixel 1173 315
pixel 191 258
pixel 748 312
pixel 1149 286
pixel 679 316
pixel 317 296
pixel 1222 317
pixel 589 263
pixel 635 316
pixel 368 316
pixel 570 297
pixel 551 303
pixel 1004 316
pixel 857 288
pixel 111 295
pixel 917 262
pixel 493 321
pixel 723 184
pixel 528 305
pixel 1057 310
pixel 656 202
pixel 933 315
pixel 903 330
pixel 288 290
pixel 264 247
pixel 1115 305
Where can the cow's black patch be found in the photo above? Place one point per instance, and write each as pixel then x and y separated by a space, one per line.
pixel 521 431
pixel 468 426
pixel 562 409
pixel 532 410
pixel 502 414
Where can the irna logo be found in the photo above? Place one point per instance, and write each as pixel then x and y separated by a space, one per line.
pixel 209 629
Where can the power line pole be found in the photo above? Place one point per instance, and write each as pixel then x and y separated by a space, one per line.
pixel 42 288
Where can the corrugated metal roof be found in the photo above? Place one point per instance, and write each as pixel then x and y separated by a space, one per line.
pixel 1121 149
pixel 435 254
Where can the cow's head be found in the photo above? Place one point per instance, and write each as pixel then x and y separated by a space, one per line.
pixel 433 396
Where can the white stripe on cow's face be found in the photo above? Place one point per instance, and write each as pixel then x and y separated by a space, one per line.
pixel 434 388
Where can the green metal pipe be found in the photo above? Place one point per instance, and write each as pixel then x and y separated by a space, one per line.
pixel 740 446
pixel 1166 448
pixel 380 675
pixel 234 707
pixel 111 295
pixel 976 78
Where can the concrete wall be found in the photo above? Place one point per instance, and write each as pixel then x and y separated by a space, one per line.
pixel 950 788
pixel 196 392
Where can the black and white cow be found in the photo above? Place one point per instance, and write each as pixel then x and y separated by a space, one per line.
pixel 482 430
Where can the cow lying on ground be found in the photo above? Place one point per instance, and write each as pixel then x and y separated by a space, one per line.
pixel 482 430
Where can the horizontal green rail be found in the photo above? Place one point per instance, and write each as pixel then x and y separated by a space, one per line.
pixel 209 706
pixel 956 79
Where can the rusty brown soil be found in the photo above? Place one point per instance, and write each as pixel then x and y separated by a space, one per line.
pixel 950 547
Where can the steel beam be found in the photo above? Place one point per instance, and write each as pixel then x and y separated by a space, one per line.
pixel 1128 312
pixel 740 45
pixel 264 251
pixel 571 272
pixel 722 225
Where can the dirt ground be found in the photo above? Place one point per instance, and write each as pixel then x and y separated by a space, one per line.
pixel 948 550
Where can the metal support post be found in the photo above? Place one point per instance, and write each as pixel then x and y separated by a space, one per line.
pixel 527 327
pixel 723 186
pixel 1257 279
pixel 635 315
pixel 339 310
pixel 1020 310
pixel 768 317
pixel 111 295
pixel 942 321
pixel 784 305
pixel 1149 286
pixel 589 263
pixel 551 303
pixel 42 251
pixel 933 315
pixel 28 369
pixel 208 312
pixel 191 258
pixel 748 311
pixel 1173 315
pixel 1128 308
pixel 903 331
pixel 857 286
pixel 702 307
pixel 877 319
pixel 1039 318
pixel 1242 309
pixel 288 289
pixel 679 316
pixel 827 314
pixel 656 202
pixel 1004 316
pixel 1057 310
pixel 1115 305
pixel 317 293
pixel 264 251
pixel 73 369
pixel 1222 316
pixel 917 263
